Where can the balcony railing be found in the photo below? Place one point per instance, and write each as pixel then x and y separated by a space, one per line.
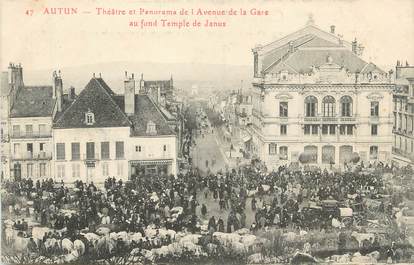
pixel 31 135
pixel 32 156
pixel 90 157
pixel 329 119
pixel 348 119
pixel 312 119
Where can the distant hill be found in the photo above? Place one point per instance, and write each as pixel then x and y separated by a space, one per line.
pixel 185 75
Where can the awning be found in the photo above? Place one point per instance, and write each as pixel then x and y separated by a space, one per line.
pixel 151 162
pixel 246 138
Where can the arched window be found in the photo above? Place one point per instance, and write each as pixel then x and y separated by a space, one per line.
pixel 328 106
pixel 311 152
pixel 311 106
pixel 346 106
pixel 328 154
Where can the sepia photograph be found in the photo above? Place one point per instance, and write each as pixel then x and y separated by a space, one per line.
pixel 207 132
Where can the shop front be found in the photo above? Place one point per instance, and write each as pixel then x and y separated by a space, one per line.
pixel 148 168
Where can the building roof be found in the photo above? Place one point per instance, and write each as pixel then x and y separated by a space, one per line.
pixel 145 111
pixel 97 98
pixel 311 47
pixel 33 101
pixel 302 61
pixel 109 111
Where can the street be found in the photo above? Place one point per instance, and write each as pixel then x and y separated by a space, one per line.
pixel 207 148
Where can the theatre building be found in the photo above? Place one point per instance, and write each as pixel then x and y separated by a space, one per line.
pixel 102 134
pixel 313 94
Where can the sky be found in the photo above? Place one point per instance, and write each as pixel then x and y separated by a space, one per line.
pixel 384 27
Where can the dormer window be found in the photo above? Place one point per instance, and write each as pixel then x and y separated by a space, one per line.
pixel 151 128
pixel 89 118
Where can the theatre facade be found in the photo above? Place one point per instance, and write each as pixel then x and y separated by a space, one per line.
pixel 316 101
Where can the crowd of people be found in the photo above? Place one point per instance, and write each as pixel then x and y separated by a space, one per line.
pixel 275 199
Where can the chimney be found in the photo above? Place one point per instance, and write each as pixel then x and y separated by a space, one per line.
pixel 129 94
pixel 58 90
pixel 15 75
pixel 332 29
pixel 355 46
pixel 141 85
pixel 72 93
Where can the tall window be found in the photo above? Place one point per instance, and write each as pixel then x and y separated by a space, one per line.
pixel 42 129
pixel 42 170
pixel 30 170
pixel 311 106
pixel 346 129
pixel 374 129
pixel 75 151
pixel 283 109
pixel 120 169
pixel 283 129
pixel 346 106
pixel 60 151
pixel 328 129
pixel 272 148
pixel 16 130
pixel 328 154
pixel 307 129
pixel 29 130
pixel 311 129
pixel 328 106
pixel 90 150
pixel 119 146
pixel 315 129
pixel 283 153
pixel 312 152
pixel 61 171
pixel 104 150
pixel 373 152
pixel 374 108
pixel 75 170
pixel 105 169
pixel 16 149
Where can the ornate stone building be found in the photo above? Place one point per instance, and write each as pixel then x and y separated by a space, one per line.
pixel 313 94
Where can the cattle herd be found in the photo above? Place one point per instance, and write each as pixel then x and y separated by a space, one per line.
pixel 280 216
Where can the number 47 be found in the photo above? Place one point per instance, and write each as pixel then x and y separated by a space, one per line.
pixel 29 12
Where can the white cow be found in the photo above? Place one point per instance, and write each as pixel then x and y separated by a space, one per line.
pixel 67 246
pixel 79 246
pixel 38 232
